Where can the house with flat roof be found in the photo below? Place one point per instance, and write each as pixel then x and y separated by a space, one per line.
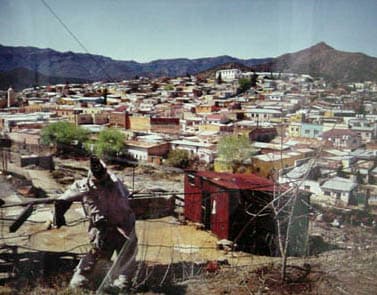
pixel 150 152
pixel 204 151
pixel 339 191
pixel 269 164
pixel 311 130
pixel 364 128
pixel 342 139
pixel 229 74
pixel 263 115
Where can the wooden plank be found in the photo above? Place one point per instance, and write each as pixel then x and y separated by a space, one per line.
pixel 21 218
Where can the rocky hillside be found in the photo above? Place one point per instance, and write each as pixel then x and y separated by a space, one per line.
pixel 323 60
pixel 69 65
pixel 28 66
pixel 20 78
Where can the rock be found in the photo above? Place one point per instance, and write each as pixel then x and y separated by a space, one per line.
pixel 26 191
pixel 319 217
pixel 224 245
pixel 335 223
pixel 199 226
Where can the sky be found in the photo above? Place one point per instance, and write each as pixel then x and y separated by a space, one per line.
pixel 145 30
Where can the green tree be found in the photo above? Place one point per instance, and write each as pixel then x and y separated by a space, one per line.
pixel 64 133
pixel 169 87
pixel 235 148
pixel 109 143
pixel 244 84
pixel 254 80
pixel 178 158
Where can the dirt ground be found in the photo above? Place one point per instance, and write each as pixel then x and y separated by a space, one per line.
pixel 190 254
pixel 161 241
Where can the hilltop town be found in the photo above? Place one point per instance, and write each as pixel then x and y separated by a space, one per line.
pixel 305 133
pixel 294 122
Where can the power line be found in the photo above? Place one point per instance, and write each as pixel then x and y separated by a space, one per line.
pixel 76 39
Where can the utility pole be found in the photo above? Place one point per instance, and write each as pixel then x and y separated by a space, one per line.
pixel 133 179
pixel 4 159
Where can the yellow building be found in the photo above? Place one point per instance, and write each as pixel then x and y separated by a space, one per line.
pixel 297 118
pixel 140 123
pixel 328 114
pixel 204 109
pixel 209 127
pixel 294 129
pixel 223 166
pixel 67 101
pixel 268 165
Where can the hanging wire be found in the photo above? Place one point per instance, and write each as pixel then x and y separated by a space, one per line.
pixel 73 35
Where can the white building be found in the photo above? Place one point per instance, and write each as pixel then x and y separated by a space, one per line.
pixel 262 115
pixel 229 75
pixel 275 96
pixel 10 97
pixel 339 189
pixel 204 151
pixel 11 120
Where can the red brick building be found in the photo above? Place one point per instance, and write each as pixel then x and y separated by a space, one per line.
pixel 165 125
pixel 119 119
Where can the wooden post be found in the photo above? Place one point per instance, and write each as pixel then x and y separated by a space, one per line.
pixel 21 219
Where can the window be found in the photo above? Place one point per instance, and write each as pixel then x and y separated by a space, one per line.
pixel 327 193
pixel 307 187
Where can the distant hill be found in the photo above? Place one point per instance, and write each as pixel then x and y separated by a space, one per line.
pixel 18 65
pixel 53 63
pixel 21 78
pixel 325 61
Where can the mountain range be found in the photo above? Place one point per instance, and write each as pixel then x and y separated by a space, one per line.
pixel 23 67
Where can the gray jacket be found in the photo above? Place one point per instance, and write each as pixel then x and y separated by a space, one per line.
pixel 105 203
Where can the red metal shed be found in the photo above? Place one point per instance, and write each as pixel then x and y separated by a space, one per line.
pixel 214 199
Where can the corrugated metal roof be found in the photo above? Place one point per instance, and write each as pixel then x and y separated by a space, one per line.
pixel 339 184
pixel 191 143
pixel 238 181
pixel 338 133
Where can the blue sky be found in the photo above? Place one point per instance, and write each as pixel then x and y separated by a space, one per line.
pixel 144 30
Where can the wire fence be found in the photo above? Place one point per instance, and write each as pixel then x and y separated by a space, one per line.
pixel 172 252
